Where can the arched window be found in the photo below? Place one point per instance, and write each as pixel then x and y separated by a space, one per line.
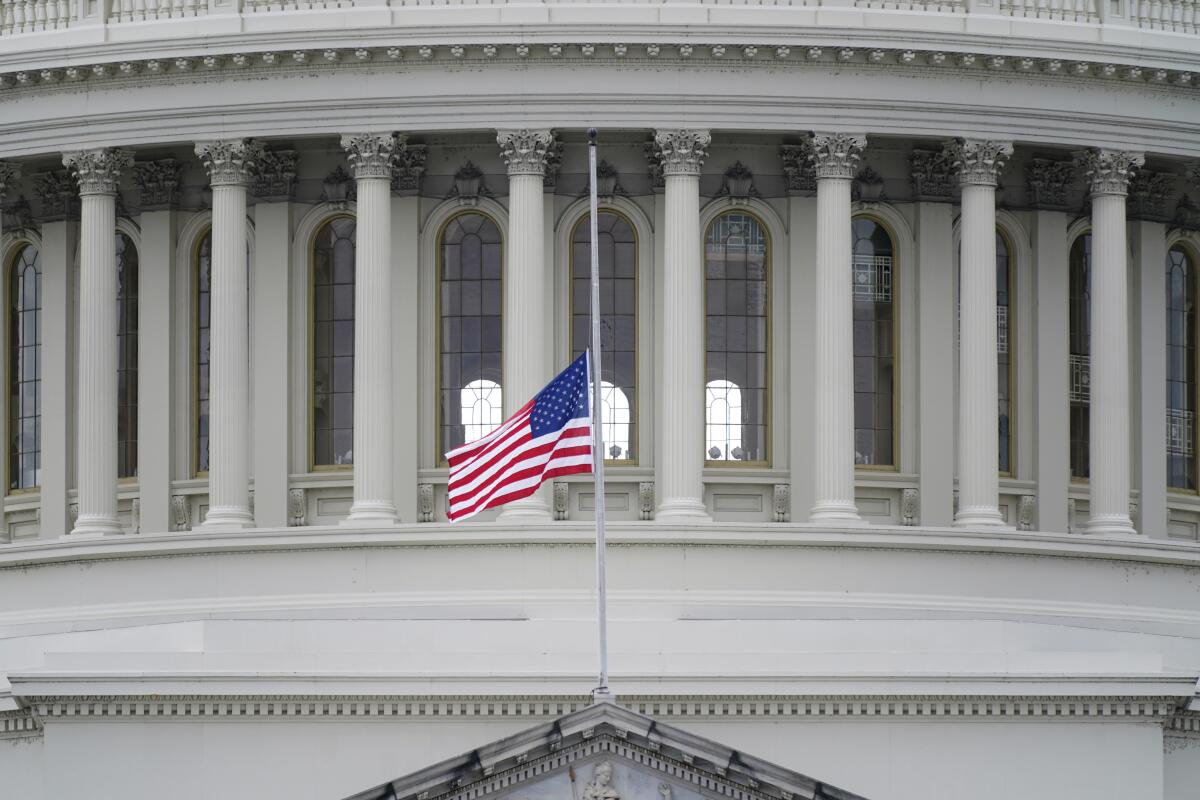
pixel 723 422
pixel 1004 351
pixel 25 370
pixel 203 273
pixel 1080 343
pixel 481 409
pixel 736 260
pixel 618 322
pixel 470 267
pixel 873 268
pixel 1181 370
pixel 333 344
pixel 127 356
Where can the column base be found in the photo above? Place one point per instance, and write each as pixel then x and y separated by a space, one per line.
pixel 979 517
pixel 227 519
pixel 528 509
pixel 837 513
pixel 1110 525
pixel 96 525
pixel 371 514
pixel 682 509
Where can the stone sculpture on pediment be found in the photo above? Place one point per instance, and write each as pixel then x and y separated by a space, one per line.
pixel 600 787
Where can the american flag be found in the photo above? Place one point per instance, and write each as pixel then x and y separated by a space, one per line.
pixel 549 436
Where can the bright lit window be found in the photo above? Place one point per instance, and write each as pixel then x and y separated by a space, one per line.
pixel 481 408
pixel 723 421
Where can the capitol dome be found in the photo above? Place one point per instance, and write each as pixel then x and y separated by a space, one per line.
pixel 900 375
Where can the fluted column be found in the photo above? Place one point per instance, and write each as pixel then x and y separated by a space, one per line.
pixel 1108 172
pixel 97 172
pixel 527 325
pixel 836 157
pixel 371 156
pixel 680 476
pixel 230 164
pixel 978 164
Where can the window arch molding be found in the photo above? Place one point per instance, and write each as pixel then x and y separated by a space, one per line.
pixel 11 244
pixel 428 277
pixel 778 394
pixel 904 406
pixel 300 455
pixel 187 246
pixel 647 352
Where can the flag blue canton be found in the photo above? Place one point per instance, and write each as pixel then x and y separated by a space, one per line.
pixel 566 398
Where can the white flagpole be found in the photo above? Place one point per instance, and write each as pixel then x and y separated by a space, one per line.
pixel 601 692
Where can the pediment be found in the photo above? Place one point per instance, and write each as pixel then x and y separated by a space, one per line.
pixel 605 752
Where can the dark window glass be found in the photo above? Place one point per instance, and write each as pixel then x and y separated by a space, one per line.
pixel 736 330
pixel 618 324
pixel 203 329
pixel 127 357
pixel 1181 370
pixel 1004 350
pixel 1080 364
pixel 469 315
pixel 333 343
pixel 873 263
pixel 25 370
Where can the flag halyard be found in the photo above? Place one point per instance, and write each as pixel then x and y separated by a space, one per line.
pixel 548 437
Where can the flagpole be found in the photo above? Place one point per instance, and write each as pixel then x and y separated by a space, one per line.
pixel 601 692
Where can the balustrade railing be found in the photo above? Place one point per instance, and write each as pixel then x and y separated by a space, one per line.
pixel 30 16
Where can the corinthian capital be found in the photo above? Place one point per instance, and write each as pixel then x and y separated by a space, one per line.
pixel 978 161
pixel 1109 171
pixel 10 173
pixel 682 151
pixel 836 155
pixel 526 152
pixel 371 155
pixel 230 162
pixel 97 171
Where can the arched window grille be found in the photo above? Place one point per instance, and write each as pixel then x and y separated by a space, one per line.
pixel 203 274
pixel 618 322
pixel 1004 351
pixel 470 274
pixel 874 277
pixel 736 261
pixel 1080 358
pixel 1181 370
pixel 481 409
pixel 723 421
pixel 127 356
pixel 333 343
pixel 25 370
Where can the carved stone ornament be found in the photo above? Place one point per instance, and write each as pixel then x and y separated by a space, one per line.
pixel 600 787
pixel 424 502
pixel 1192 172
pixel 1148 192
pixel 1025 512
pixel 58 193
pixel 910 507
pixel 782 505
pixel 371 155
pixel 1048 182
pixel 738 183
pixel 798 173
pixel 646 500
pixel 97 171
pixel 1072 513
pixel 526 152
pixel 654 167
pixel 868 185
pixel 10 173
pixel 339 188
pixel 157 182
pixel 1187 214
pixel 181 512
pixel 468 184
pixel 682 151
pixel 836 155
pixel 18 215
pixel 561 504
pixel 276 176
pixel 408 169
pixel 932 173
pixel 73 512
pixel 608 181
pixel 230 162
pixel 297 508
pixel 978 161
pixel 135 516
pixel 553 165
pixel 1109 171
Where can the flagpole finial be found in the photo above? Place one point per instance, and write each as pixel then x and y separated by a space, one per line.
pixel 592 134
